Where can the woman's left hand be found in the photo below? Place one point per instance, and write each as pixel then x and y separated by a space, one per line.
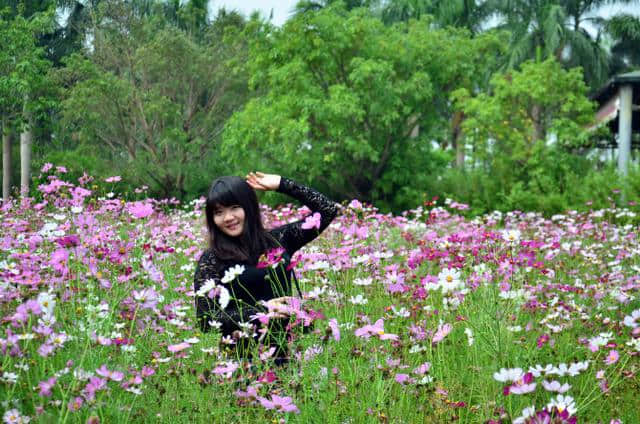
pixel 260 181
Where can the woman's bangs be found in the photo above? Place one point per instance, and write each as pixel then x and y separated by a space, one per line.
pixel 221 195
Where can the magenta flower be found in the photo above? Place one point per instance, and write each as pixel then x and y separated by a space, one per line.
pixel 282 404
pixel 312 221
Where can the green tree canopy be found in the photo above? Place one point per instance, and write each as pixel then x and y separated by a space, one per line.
pixel 522 130
pixel 351 103
pixel 155 97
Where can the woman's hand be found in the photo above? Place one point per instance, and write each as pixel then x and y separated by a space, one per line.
pixel 279 306
pixel 260 181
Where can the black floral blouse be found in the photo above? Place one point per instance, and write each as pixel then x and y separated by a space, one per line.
pixel 256 284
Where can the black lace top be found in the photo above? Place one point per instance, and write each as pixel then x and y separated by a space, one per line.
pixel 256 284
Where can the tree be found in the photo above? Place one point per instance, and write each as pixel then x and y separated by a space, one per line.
pixel 543 28
pixel 155 97
pixel 352 103
pixel 529 120
pixel 624 29
pixel 469 14
pixel 23 88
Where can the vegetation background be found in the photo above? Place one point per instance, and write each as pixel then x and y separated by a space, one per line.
pixel 391 102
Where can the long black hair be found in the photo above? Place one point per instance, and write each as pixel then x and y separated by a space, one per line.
pixel 254 240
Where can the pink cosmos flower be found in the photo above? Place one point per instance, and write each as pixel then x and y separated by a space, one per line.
pixel 423 368
pixel 279 403
pixel 377 329
pixel 113 179
pixel 251 393
pixel 312 221
pixel 76 404
pixel 46 386
pixel 441 333
pixel 94 384
pixel 404 379
pixel 612 357
pixel 111 375
pixel 335 331
pixel 140 209
pixel 178 347
pixel 226 369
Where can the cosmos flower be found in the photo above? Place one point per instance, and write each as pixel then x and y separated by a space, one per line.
pixel 281 404
pixel 377 329
pixel 231 273
pixel 612 357
pixel 312 221
pixel 563 403
pixel 449 280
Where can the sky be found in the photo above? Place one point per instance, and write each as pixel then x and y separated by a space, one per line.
pixel 281 8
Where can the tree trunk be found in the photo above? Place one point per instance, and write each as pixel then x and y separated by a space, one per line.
pixel 6 161
pixel 26 139
pixel 456 138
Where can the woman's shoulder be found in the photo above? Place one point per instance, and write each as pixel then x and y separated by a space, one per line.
pixel 208 257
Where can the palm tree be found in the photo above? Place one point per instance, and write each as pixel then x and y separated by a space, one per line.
pixel 624 29
pixel 469 14
pixel 543 28
pixel 304 6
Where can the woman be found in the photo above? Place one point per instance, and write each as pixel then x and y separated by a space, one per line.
pixel 231 285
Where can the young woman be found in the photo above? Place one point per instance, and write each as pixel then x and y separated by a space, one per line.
pixel 230 270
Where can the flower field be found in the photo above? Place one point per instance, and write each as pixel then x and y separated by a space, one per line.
pixel 424 317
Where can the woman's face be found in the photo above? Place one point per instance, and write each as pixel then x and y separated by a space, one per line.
pixel 230 219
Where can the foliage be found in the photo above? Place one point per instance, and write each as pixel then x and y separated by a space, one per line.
pixel 522 132
pixel 24 85
pixel 625 32
pixel 155 97
pixel 351 103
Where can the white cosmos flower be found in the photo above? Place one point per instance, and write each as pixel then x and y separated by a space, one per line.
pixel 47 302
pixel 511 236
pixel 563 402
pixel 632 320
pixel 526 413
pixel 232 273
pixel 449 280
pixel 555 386
pixel 224 297
pixel 508 374
pixel 538 370
pixel 358 300
pixel 469 334
pixel 9 377
pixel 363 281
pixel 206 287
